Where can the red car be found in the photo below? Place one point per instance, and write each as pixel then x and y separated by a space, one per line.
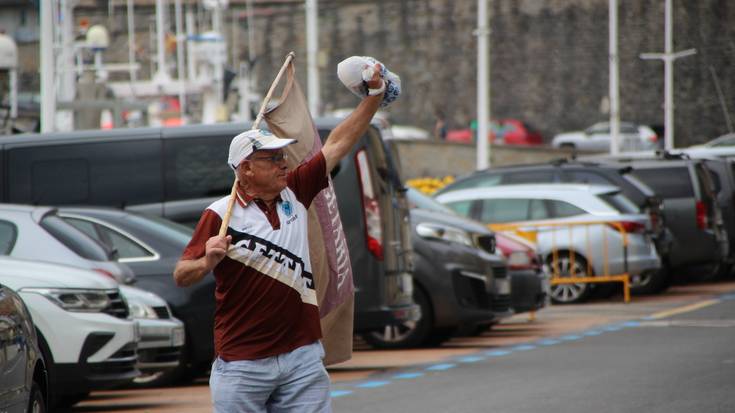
pixel 504 132
pixel 529 283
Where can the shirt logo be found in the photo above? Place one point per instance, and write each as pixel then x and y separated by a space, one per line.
pixel 286 206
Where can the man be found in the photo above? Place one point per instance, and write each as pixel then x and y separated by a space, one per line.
pixel 267 327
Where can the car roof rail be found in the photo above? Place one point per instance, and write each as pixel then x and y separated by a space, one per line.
pixel 664 154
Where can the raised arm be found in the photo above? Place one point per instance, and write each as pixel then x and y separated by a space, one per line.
pixel 345 135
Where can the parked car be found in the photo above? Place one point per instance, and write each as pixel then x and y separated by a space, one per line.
pixel 726 140
pixel 723 179
pixel 593 172
pixel 554 216
pixel 700 242
pixel 529 283
pixel 36 226
pixel 597 138
pixel 502 132
pixel 151 246
pixel 161 335
pixel 515 132
pixel 177 172
pixel 459 281
pixel 24 379
pixel 82 323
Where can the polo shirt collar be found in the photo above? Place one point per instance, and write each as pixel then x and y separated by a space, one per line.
pixel 244 199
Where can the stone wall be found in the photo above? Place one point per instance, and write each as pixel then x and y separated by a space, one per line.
pixel 418 159
pixel 549 63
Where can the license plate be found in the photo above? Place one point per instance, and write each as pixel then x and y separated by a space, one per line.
pixel 502 286
pixel 178 337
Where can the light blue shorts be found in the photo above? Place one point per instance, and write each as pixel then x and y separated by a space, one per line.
pixel 291 382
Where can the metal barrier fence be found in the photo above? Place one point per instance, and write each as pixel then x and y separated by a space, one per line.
pixel 531 231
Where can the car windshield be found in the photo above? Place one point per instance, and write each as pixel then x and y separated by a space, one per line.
pixel 166 228
pixel 418 200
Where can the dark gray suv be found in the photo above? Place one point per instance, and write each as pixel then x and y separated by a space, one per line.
pixel 688 189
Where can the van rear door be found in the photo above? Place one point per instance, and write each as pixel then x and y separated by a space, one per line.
pixel 374 216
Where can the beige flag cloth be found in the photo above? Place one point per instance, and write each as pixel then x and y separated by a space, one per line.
pixel 330 259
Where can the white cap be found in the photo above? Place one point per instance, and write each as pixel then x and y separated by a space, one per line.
pixel 244 144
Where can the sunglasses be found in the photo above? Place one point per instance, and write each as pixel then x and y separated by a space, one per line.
pixel 275 158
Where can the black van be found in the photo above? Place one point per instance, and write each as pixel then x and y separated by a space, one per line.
pixel 177 172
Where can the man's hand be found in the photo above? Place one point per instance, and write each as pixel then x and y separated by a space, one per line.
pixel 188 272
pixel 376 82
pixel 216 249
pixel 348 132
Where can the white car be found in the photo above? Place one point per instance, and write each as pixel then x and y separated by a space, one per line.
pixel 161 335
pixel 596 138
pixel 39 234
pixel 84 328
pixel 555 216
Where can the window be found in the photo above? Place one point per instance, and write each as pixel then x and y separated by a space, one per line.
pixel 561 209
pixel 197 168
pixel 104 171
pixel 672 182
pixel 421 201
pixel 126 248
pixel 121 244
pixel 538 210
pixel 77 241
pixel 585 177
pixel 535 177
pixel 620 202
pixel 8 235
pixel 62 180
pixel 84 226
pixel 462 207
pixel 504 210
pixel 481 181
pixel 598 128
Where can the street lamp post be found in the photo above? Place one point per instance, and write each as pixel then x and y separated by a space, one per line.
pixel 668 57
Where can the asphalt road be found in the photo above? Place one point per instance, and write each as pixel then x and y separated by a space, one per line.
pixel 673 352
pixel 681 363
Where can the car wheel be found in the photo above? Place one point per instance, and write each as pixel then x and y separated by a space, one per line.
pixel 570 147
pixel 650 282
pixel 36 403
pixel 565 267
pixel 410 333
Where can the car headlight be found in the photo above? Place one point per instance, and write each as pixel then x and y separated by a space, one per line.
pixel 445 233
pixel 72 299
pixel 139 309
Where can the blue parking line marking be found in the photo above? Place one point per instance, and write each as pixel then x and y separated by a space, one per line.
pixel 441 367
pixel 471 359
pixel 592 333
pixel 524 347
pixel 404 376
pixel 548 342
pixel 612 328
pixel 497 353
pixel 339 393
pixel 631 324
pixel 728 297
pixel 571 337
pixel 372 384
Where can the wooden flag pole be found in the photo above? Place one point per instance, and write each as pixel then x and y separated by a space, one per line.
pixel 258 119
